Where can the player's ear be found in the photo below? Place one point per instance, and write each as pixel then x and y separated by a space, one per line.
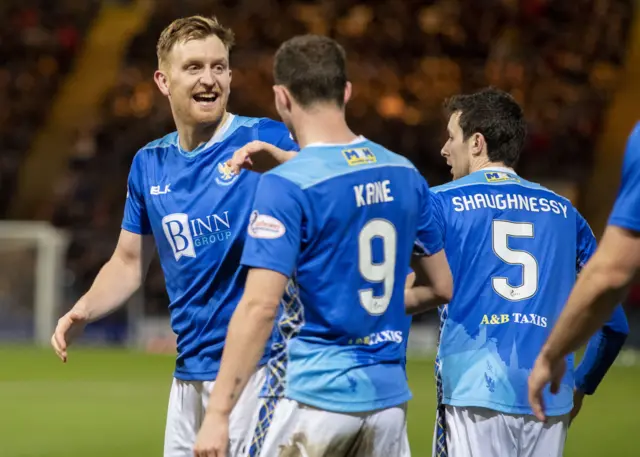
pixel 348 90
pixel 282 96
pixel 162 82
pixel 477 144
pixel 288 98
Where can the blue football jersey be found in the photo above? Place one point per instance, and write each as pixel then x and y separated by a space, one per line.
pixel 198 212
pixel 515 249
pixel 626 211
pixel 339 221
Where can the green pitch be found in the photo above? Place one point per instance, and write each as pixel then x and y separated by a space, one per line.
pixel 113 403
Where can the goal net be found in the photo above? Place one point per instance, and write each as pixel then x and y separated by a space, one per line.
pixel 32 258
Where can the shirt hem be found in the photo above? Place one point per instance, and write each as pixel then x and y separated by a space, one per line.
pixel 351 407
pixel 505 409
pixel 211 375
pixel 190 376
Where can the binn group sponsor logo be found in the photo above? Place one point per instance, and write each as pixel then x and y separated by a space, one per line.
pixel 188 235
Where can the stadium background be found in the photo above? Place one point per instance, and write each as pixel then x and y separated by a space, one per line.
pixel 77 100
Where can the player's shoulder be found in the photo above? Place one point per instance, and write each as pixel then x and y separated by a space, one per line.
pixel 531 189
pixel 252 122
pixel 537 188
pixel 304 168
pixel 392 158
pixel 319 162
pixel 167 141
pixel 261 124
pixel 263 129
pixel 157 146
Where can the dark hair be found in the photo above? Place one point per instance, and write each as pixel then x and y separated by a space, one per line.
pixel 497 117
pixel 313 68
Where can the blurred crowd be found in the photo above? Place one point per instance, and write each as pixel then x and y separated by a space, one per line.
pixel 38 41
pixel 560 60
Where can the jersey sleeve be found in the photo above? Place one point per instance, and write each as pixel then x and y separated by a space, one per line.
pixel 605 345
pixel 586 245
pixel 135 217
pixel 430 236
pixel 626 212
pixel 276 133
pixel 275 227
pixel 602 350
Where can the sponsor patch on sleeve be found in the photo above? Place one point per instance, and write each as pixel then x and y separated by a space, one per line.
pixel 264 226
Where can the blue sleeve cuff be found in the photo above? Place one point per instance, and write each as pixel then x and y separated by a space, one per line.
pixel 133 228
pixel 274 265
pixel 624 222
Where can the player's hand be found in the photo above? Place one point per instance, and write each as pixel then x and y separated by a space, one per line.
pixel 258 156
pixel 544 371
pixel 70 326
pixel 578 398
pixel 213 437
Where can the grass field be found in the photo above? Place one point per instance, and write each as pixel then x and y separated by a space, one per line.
pixel 113 403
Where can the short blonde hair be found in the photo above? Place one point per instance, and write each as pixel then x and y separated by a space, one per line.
pixel 192 28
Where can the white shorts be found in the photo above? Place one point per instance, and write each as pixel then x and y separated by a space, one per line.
pixel 188 402
pixel 481 432
pixel 289 428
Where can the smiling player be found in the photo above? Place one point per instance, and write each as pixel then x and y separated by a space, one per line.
pixel 183 198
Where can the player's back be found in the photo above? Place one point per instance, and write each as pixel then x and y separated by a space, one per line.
pixel 513 247
pixel 361 206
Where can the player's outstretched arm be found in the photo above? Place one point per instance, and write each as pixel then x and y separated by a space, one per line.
pixel 116 282
pixel 258 156
pixel 249 331
pixel 433 285
pixel 602 284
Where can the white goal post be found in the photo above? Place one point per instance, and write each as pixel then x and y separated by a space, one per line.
pixel 32 266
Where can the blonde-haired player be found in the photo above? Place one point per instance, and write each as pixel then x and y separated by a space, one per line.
pixel 182 198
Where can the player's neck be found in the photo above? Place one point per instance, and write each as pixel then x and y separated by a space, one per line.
pixel 322 125
pixel 192 136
